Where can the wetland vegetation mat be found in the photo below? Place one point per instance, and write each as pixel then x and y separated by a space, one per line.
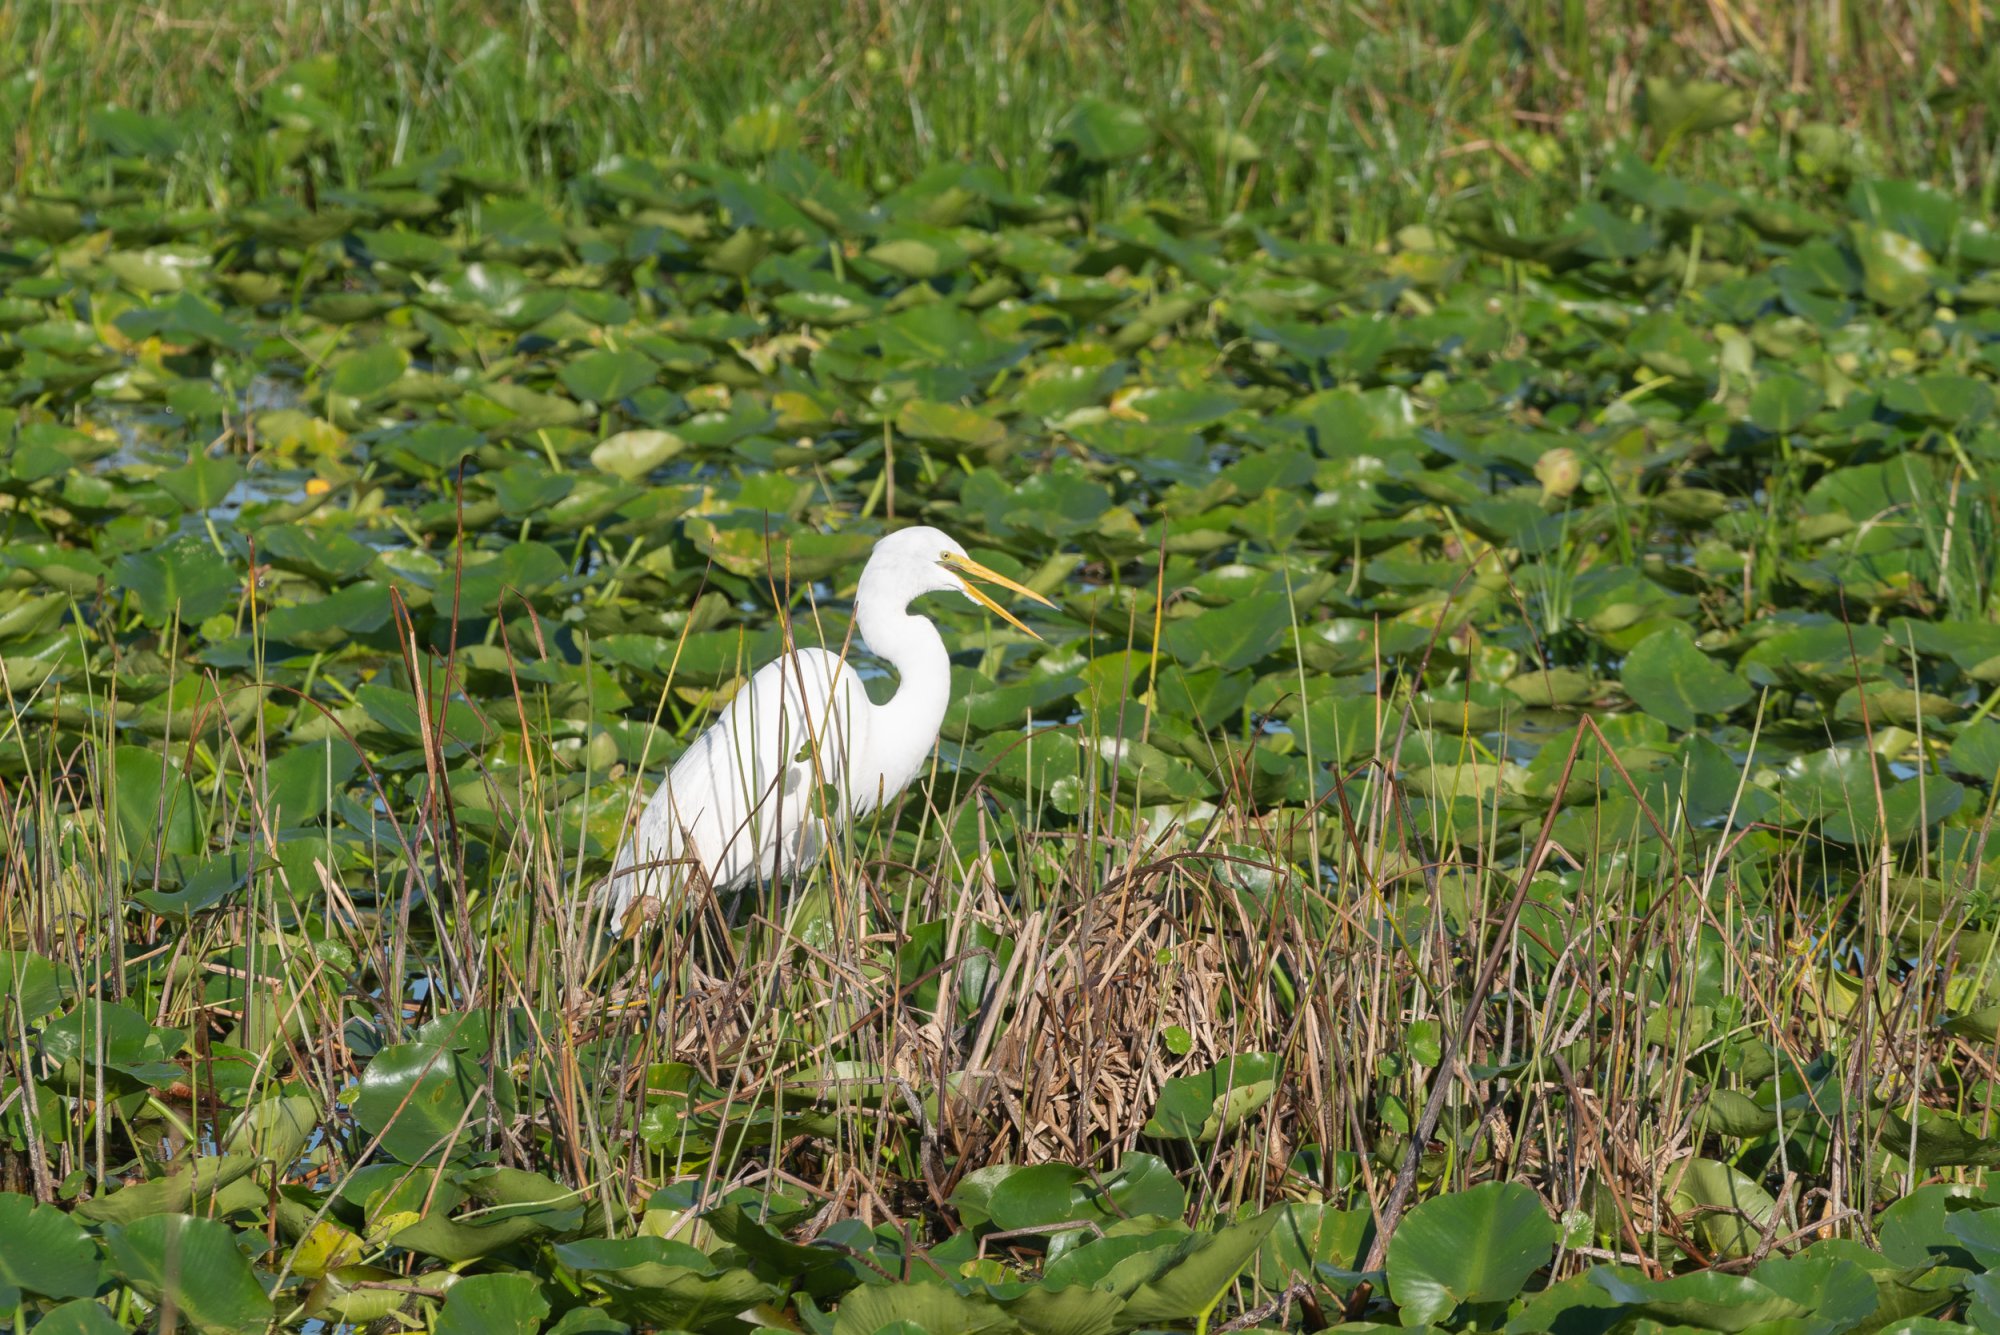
pixel 1494 832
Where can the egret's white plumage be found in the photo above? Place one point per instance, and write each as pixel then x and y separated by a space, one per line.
pixel 801 748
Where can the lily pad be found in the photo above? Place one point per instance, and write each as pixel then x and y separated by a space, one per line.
pixel 1669 677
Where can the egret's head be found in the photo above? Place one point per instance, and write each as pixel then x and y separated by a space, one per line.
pixel 914 561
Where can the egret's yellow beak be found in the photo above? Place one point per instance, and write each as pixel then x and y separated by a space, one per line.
pixel 969 570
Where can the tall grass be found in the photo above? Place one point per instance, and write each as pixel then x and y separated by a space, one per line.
pixel 1365 940
pixel 1454 992
pixel 1357 116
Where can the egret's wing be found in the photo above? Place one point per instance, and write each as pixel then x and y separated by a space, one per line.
pixel 744 800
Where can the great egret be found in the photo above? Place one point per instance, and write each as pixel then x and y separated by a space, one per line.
pixel 801 748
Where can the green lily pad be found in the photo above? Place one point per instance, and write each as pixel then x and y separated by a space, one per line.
pixel 369 373
pixel 633 454
pixel 949 424
pixel 1470 1246
pixel 416 1098
pixel 493 1305
pixel 1674 681
pixel 605 376
pixel 46 1253
pixel 195 1265
pixel 1101 131
pixel 1200 1108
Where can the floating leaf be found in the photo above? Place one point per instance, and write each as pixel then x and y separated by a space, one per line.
pixel 1675 110
pixel 158 810
pixel 1731 1210
pixel 1191 1278
pixel 948 424
pixel 633 454
pixel 493 1305
pixel 193 1265
pixel 1102 131
pixel 1237 636
pixel 1782 403
pixel 1200 1108
pixel 1674 681
pixel 1706 1300
pixel 605 376
pixel 1476 1245
pixel 183 578
pixel 761 131
pixel 1956 402
pixel 369 373
pixel 1895 270
pixel 416 1097
pixel 82 1317
pixel 46 1253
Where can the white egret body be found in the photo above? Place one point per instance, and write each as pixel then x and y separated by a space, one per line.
pixel 801 748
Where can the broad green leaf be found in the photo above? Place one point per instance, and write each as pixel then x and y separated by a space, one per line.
pixel 1935 1136
pixel 1552 688
pixel 1237 636
pixel 1706 1300
pixel 1477 1245
pixel 605 377
pixel 633 454
pixel 1675 110
pixel 1307 1235
pixel 919 253
pixel 45 1253
pixel 1976 752
pixel 948 424
pixel 205 882
pixel 1913 1230
pixel 1101 131
pixel 188 319
pixel 1836 1290
pixel 1895 271
pixel 329 622
pixel 1669 677
pixel 1979 1231
pixel 1054 1193
pixel 1117 1263
pixel 84 1316
pixel 1907 808
pixel 1917 209
pixel 1956 402
pixel 275 1130
pixel 202 483
pixel 418 1098
pixel 367 375
pixel 492 1305
pixel 183 578
pixel 158 809
pixel 302 780
pixel 761 131
pixel 134 133
pixel 1733 1210
pixel 1782 403
pixel 327 554
pixel 194 1266
pixel 30 984
pixel 875 1308
pixel 1199 1108
pixel 1193 1277
pixel 210 1183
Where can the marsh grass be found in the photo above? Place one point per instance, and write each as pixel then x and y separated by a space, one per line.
pixel 1455 984
pixel 1451 995
pixel 1355 117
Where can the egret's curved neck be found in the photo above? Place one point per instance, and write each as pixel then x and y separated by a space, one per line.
pixel 907 727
